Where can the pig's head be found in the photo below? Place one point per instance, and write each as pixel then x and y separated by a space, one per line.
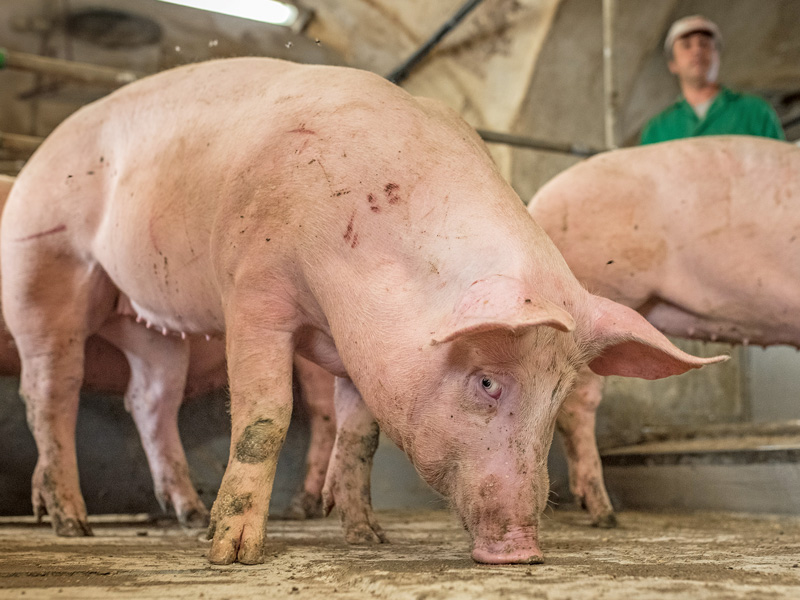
pixel 508 358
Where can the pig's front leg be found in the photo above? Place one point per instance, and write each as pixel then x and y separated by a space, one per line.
pixel 260 375
pixel 155 392
pixel 576 422
pixel 347 484
pixel 316 388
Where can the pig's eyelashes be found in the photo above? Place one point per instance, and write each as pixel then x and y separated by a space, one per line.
pixel 491 387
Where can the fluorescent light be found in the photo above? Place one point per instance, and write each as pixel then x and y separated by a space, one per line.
pixel 266 11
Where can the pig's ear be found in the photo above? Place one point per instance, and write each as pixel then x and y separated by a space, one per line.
pixel 632 347
pixel 500 303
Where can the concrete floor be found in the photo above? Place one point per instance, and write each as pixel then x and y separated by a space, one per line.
pixel 650 556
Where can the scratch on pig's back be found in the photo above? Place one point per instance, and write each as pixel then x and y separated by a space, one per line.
pixel 56 229
pixel 349 235
pixel 303 129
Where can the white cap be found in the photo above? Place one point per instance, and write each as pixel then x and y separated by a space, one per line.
pixel 688 25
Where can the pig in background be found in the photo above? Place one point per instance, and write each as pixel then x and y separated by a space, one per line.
pixel 153 398
pixel 701 236
pixel 324 211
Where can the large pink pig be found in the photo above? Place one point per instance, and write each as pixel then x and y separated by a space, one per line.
pixel 701 236
pixel 323 210
pixel 154 399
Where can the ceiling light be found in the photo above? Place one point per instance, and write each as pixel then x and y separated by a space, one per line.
pixel 266 11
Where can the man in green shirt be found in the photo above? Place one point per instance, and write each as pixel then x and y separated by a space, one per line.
pixel 706 108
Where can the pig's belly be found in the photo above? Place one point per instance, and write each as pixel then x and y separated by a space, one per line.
pixel 736 325
pixel 169 288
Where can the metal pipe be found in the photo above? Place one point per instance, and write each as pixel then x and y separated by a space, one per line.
pixel 494 137
pixel 28 143
pixel 790 120
pixel 94 74
pixel 610 93
pixel 84 72
pixel 19 143
pixel 401 72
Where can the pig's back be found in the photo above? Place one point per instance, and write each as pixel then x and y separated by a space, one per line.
pixel 140 179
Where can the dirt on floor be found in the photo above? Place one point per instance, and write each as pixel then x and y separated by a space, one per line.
pixel 649 556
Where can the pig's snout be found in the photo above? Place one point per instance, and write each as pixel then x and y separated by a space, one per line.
pixel 503 519
pixel 518 546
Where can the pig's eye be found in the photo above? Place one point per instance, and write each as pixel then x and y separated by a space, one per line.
pixel 491 387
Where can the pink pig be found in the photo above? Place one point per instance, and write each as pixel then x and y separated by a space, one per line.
pixel 701 236
pixel 321 210
pixel 154 399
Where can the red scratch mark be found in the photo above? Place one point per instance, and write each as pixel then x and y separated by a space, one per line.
pixel 391 193
pixel 373 206
pixel 349 231
pixel 302 129
pixel 349 235
pixel 57 229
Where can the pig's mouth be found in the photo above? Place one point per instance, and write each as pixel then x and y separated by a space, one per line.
pixel 500 534
pixel 518 546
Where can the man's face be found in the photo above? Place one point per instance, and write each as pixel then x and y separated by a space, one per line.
pixel 695 59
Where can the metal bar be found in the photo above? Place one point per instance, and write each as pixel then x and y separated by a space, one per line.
pixel 494 137
pixel 94 74
pixel 19 143
pixel 401 72
pixel 790 120
pixel 610 93
pixel 28 143
pixel 84 72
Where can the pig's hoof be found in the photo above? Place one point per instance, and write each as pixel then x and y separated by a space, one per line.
pixel 507 558
pixel 71 527
pixel 607 521
pixel 195 518
pixel 227 551
pixel 365 534
pixel 303 506
pixel 236 541
pixel 223 552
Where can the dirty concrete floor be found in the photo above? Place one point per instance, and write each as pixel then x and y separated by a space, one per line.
pixel 650 556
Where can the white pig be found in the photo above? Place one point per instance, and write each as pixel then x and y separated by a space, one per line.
pixel 701 236
pixel 321 210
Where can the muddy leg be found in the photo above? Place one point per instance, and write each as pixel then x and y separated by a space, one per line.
pixel 51 304
pixel 316 386
pixel 155 391
pixel 576 422
pixel 347 485
pixel 50 386
pixel 260 375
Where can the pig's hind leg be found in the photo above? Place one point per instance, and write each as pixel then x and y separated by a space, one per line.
pixel 347 484
pixel 316 389
pixel 52 302
pixel 576 422
pixel 155 392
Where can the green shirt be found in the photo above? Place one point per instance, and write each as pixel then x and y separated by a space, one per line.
pixel 730 113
